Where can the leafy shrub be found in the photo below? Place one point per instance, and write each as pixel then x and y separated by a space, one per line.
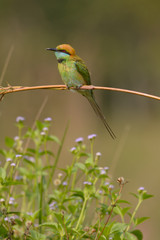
pixel 38 200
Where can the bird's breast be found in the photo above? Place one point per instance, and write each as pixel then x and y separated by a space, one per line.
pixel 69 74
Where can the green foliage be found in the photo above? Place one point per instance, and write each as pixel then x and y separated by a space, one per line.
pixel 38 200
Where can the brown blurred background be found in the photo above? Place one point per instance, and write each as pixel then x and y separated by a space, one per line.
pixel 120 43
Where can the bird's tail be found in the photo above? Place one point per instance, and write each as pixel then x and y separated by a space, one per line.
pixel 99 113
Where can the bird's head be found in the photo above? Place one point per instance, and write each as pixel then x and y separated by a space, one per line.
pixel 63 51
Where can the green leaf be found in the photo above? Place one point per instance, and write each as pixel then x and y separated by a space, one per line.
pixel 2 173
pixel 54 226
pixel 39 125
pixel 125 210
pixel 72 208
pixel 78 193
pixel 140 220
pixel 3 152
pixel 37 236
pixel 83 154
pixel 103 208
pixel 129 236
pixel 117 210
pixel 26 172
pixel 31 150
pixel 138 234
pixel 81 166
pixel 123 201
pixel 9 142
pixel 53 138
pixel 117 237
pixel 104 238
pixel 59 217
pixel 107 229
pixel 29 162
pixel 46 152
pixel 146 196
pixel 10 183
pixel 3 232
pixel 119 227
pixel 135 195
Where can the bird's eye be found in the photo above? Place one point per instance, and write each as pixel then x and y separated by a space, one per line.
pixel 64 51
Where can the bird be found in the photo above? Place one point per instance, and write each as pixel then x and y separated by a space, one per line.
pixel 75 74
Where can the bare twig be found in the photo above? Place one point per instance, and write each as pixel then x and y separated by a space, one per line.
pixel 6 63
pixel 11 89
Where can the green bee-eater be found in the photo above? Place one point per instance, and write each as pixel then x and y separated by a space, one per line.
pixel 74 73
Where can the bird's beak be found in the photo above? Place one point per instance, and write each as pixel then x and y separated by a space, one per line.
pixel 52 49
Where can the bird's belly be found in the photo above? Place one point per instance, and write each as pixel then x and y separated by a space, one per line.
pixel 70 76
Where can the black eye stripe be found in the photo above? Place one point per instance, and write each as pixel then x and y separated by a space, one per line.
pixel 64 51
pixel 60 60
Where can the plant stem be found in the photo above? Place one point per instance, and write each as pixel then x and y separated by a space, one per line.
pixel 113 206
pixel 82 213
pixel 41 201
pixel 134 213
pixel 57 157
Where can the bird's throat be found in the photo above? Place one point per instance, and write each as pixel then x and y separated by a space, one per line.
pixel 60 60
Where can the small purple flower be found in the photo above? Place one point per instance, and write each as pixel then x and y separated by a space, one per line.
pixel 52 205
pixel 79 140
pixel 30 159
pixel 106 168
pixel 48 119
pixel 43 133
pixel 60 175
pixel 79 200
pixel 102 172
pixel 14 217
pixel 29 213
pixel 20 119
pixel 7 219
pixel 141 189
pixel 36 225
pixel 8 160
pixel 13 164
pixel 106 183
pixel 16 138
pixel 18 155
pixel 111 186
pixel 92 136
pixel 45 129
pixel 2 200
pixel 100 191
pixel 73 149
pixel 11 201
pixel 18 178
pixel 87 183
pixel 11 198
pixel 64 183
pixel 98 154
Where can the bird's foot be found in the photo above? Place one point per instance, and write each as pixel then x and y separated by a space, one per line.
pixel 78 87
pixel 68 88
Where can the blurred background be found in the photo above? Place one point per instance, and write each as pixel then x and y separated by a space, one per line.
pixel 120 43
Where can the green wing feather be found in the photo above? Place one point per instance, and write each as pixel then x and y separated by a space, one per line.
pixel 82 69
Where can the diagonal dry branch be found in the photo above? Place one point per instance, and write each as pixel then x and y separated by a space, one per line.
pixel 12 89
